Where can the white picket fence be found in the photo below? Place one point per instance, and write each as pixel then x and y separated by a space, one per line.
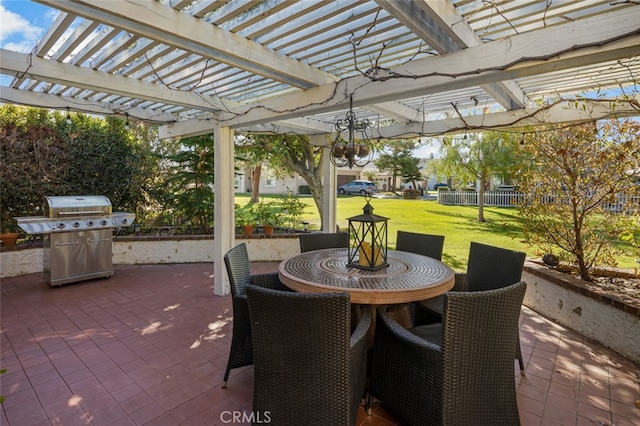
pixel 470 198
pixel 512 199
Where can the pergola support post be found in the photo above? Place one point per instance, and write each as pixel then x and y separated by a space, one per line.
pixel 224 214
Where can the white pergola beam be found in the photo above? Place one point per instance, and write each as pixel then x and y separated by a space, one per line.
pixel 573 111
pixel 30 66
pixel 45 100
pixel 154 20
pixel 299 126
pixel 398 110
pixel 439 24
pixel 163 24
pixel 571 45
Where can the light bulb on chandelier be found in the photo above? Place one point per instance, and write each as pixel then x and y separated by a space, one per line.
pixel 352 152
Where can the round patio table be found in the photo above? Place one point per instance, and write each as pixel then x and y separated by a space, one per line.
pixel 408 278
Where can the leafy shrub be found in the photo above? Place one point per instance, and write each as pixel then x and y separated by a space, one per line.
pixel 411 194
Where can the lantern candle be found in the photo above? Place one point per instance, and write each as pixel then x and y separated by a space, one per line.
pixel 370 255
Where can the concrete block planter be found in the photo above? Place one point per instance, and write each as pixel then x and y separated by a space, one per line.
pixel 159 249
pixel 569 301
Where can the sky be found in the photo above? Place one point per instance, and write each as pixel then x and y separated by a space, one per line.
pixel 23 23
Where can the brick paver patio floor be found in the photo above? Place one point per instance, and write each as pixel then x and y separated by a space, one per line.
pixel 149 345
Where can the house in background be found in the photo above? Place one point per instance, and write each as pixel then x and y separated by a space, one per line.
pixel 270 182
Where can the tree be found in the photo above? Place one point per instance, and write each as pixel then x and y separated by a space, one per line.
pixel 34 163
pixel 477 157
pixel 291 153
pixel 577 175
pixel 399 161
pixel 102 158
pixel 191 181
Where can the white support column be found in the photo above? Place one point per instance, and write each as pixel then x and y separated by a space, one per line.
pixel 224 214
pixel 329 205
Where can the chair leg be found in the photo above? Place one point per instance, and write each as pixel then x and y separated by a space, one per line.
pixel 226 377
pixel 519 356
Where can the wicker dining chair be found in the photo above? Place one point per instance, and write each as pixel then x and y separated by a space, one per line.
pixel 424 244
pixel 488 268
pixel 309 368
pixel 458 372
pixel 319 240
pixel 236 261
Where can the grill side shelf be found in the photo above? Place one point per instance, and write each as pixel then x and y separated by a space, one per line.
pixel 35 224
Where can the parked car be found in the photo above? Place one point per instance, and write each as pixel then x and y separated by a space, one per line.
pixel 439 185
pixel 362 187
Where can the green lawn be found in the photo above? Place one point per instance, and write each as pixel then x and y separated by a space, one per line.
pixel 458 224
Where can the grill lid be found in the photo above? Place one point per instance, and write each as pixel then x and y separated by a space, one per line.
pixel 82 205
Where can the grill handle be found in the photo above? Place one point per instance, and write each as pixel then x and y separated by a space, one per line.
pixel 73 243
pixel 82 213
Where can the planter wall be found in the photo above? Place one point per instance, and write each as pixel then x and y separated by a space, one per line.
pixel 572 303
pixel 165 249
pixel 194 249
pixel 21 261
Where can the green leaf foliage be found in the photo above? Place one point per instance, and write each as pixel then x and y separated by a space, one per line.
pixel 44 155
pixel 577 174
pixel 190 182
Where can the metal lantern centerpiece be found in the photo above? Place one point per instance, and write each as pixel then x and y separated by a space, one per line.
pixel 368 240
pixel 354 152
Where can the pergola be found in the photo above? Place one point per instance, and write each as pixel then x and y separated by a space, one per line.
pixel 413 68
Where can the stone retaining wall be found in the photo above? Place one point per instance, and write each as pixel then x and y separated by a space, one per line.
pixel 158 249
pixel 611 321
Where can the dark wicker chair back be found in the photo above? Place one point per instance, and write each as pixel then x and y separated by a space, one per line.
pixel 236 261
pixel 492 267
pixel 480 335
pixel 424 244
pixel 465 375
pixel 309 369
pixel 317 241
pixel 488 268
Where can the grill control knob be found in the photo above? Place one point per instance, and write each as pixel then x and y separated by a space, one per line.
pixel 125 221
pixel 103 223
pixel 90 223
pixel 76 224
pixel 61 226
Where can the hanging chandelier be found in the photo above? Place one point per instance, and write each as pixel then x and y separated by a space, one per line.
pixel 352 152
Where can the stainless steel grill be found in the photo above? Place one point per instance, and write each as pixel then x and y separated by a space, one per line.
pixel 78 237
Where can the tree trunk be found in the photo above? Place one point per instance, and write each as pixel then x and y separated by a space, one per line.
pixel 317 191
pixel 481 200
pixel 255 183
pixel 578 251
